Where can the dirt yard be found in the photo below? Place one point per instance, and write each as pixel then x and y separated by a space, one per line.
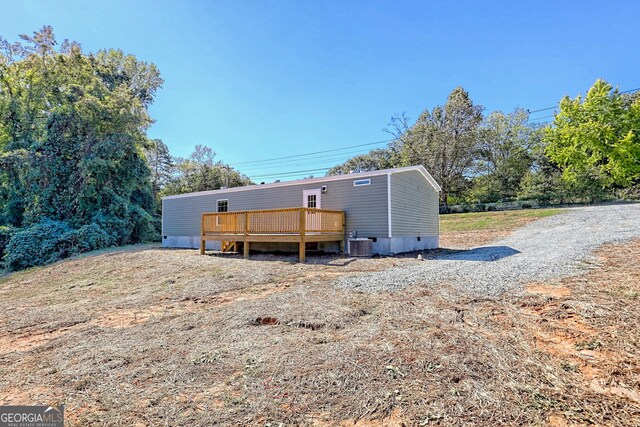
pixel 167 337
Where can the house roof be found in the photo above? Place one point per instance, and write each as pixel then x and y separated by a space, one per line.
pixel 323 179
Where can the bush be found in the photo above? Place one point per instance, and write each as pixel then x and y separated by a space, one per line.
pixel 6 232
pixel 35 245
pixel 86 238
pixel 48 241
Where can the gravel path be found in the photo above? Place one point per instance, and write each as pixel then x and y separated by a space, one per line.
pixel 552 247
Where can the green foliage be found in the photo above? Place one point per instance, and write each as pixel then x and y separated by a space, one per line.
pixel 72 141
pixel 504 156
pixel 87 238
pixel 444 140
pixel 48 241
pixel 5 235
pixel 374 160
pixel 200 172
pixel 162 166
pixel 596 139
pixel 590 153
pixel 36 245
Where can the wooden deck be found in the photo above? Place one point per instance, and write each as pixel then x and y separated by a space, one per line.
pixel 299 225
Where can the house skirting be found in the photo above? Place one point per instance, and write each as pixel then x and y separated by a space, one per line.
pixel 382 245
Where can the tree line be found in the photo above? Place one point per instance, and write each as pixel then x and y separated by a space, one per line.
pixel 589 153
pixel 78 171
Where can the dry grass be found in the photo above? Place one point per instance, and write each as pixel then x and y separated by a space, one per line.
pixel 169 337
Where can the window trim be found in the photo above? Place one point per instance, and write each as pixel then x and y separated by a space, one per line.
pixel 218 210
pixel 361 182
pixel 218 205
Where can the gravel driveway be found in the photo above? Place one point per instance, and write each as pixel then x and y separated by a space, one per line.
pixel 552 247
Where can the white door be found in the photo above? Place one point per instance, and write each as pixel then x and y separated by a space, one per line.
pixel 312 199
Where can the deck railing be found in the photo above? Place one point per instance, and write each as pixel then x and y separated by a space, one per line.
pixel 273 221
pixel 301 225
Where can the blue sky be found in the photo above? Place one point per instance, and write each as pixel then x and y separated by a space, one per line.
pixel 263 79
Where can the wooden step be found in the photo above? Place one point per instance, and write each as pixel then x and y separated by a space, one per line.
pixel 229 246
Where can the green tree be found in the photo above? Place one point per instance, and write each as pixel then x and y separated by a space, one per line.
pixel 201 172
pixel 377 159
pixel 596 139
pixel 445 140
pixel 162 165
pixel 504 155
pixel 72 137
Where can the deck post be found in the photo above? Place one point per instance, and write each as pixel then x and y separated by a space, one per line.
pixel 246 234
pixel 303 229
pixel 203 243
pixel 344 227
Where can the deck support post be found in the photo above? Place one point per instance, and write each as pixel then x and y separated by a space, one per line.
pixel 303 230
pixel 344 227
pixel 246 234
pixel 203 242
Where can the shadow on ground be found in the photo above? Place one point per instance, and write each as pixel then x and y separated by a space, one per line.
pixel 484 253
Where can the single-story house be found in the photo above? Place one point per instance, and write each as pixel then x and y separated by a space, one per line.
pixel 396 208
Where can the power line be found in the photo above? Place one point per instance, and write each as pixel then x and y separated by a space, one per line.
pixel 316 152
pixel 551 108
pixel 540 118
pixel 292 173
pixel 541 109
pixel 307 161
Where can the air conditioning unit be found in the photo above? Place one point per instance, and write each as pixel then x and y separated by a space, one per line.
pixel 360 247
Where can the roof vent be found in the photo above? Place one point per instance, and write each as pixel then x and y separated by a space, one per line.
pixel 360 247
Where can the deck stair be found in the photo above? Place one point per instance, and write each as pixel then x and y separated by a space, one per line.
pixel 229 247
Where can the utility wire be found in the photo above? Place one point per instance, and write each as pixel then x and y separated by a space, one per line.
pixel 292 173
pixel 551 108
pixel 316 152
pixel 540 118
pixel 311 161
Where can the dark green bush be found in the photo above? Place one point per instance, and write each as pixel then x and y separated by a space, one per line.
pixel 35 245
pixel 86 238
pixel 49 241
pixel 5 235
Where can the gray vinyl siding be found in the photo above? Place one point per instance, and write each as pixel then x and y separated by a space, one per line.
pixel 365 206
pixel 414 205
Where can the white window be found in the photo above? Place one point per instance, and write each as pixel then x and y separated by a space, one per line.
pixel 223 205
pixel 360 182
pixel 312 198
pixel 312 201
